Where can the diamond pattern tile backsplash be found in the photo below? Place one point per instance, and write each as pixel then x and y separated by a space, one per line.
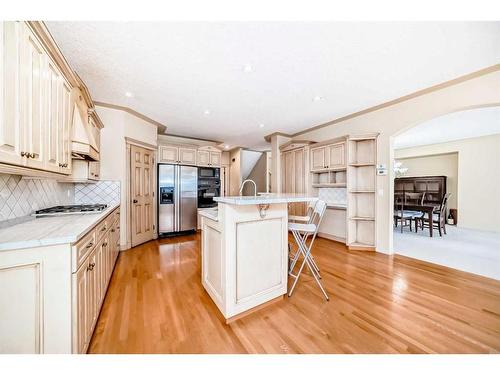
pixel 100 192
pixel 20 197
pixel 333 195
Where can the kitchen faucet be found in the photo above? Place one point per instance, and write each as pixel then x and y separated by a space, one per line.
pixel 254 187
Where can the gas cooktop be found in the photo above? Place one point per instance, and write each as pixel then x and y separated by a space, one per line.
pixel 71 210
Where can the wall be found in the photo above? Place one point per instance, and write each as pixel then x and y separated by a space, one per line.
pixel 478 178
pixel 235 171
pixel 258 175
pixel 108 192
pixel 118 125
pixel 434 165
pixel 475 91
pixel 20 197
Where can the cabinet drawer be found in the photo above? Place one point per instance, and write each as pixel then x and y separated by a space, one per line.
pixel 83 248
pixel 102 227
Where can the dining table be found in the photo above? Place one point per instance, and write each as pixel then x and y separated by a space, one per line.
pixel 424 208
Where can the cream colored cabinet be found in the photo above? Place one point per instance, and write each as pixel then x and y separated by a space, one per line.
pixel 319 159
pixel 36 116
pixel 168 154
pixel 336 153
pixel 209 156
pixel 294 177
pixel 11 131
pixel 33 99
pixel 328 157
pixel 187 156
pixel 81 305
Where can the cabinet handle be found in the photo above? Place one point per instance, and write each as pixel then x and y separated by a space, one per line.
pixel 103 229
pixel 89 245
pixel 91 266
pixel 33 155
pixel 23 154
pixel 96 175
pixel 135 201
pixel 104 244
pixel 112 231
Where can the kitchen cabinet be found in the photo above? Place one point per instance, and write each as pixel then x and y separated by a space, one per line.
pixel 51 295
pixel 294 177
pixel 36 116
pixel 83 171
pixel 187 156
pixel 326 157
pixel 209 156
pixel 168 154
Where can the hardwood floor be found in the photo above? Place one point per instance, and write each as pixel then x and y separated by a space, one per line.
pixel 378 304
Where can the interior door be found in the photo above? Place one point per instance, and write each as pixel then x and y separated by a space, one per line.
pixel 141 194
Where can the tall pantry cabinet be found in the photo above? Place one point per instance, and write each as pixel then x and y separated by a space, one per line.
pixel 295 173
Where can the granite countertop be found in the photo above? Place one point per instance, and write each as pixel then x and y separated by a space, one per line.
pixel 50 230
pixel 265 199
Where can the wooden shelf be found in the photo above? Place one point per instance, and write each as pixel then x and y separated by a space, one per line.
pixel 327 185
pixel 362 164
pixel 362 218
pixel 329 170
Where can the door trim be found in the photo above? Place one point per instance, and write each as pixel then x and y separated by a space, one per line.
pixel 128 209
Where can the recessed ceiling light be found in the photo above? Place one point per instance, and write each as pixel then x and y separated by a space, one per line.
pixel 261 125
pixel 247 68
pixel 226 147
pixel 317 98
pixel 128 94
pixel 206 112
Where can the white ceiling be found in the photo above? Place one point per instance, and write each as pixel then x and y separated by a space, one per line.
pixel 451 127
pixel 178 70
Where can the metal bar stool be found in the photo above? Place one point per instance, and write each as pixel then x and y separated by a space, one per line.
pixel 300 232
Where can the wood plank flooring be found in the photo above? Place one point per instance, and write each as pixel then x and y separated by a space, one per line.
pixel 378 304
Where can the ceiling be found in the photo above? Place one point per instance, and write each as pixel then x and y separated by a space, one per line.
pixel 451 127
pixel 236 82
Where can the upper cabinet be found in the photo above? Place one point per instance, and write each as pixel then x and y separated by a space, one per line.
pixel 209 156
pixel 38 94
pixel 328 157
pixel 206 156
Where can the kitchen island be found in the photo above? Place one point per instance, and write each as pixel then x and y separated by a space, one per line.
pixel 244 251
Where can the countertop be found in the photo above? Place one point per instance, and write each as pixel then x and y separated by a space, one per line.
pixel 50 230
pixel 212 214
pixel 271 198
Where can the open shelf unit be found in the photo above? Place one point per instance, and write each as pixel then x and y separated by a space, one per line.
pixel 337 178
pixel 361 188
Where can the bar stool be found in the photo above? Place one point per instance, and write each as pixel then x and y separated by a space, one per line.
pixel 301 219
pixel 300 232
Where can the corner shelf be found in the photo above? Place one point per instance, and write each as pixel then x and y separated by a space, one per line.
pixel 361 198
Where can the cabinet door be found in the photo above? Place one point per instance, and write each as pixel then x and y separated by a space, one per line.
pixel 318 159
pixel 66 127
pixel 33 97
pixel 11 134
pixel 187 156
pixel 53 118
pixel 169 154
pixel 289 173
pixel 337 155
pixel 215 158
pixel 203 158
pixel 94 170
pixel 80 282
pixel 91 292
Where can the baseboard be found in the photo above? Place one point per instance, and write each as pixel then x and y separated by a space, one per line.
pixel 361 248
pixel 332 237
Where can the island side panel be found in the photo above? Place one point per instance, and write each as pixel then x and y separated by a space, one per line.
pixel 256 255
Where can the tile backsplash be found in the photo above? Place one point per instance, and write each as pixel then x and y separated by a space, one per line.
pixel 100 192
pixel 333 195
pixel 21 196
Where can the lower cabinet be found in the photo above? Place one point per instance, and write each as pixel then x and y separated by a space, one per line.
pixel 91 280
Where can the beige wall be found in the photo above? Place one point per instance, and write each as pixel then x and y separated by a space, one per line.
pixel 118 125
pixel 478 199
pixel 234 171
pixel 258 175
pixel 389 121
pixel 434 165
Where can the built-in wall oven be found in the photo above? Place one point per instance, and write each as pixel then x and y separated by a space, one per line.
pixel 208 186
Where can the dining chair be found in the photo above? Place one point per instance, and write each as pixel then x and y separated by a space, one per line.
pixel 406 217
pixel 438 217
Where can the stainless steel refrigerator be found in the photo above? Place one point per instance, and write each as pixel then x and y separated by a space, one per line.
pixel 177 198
